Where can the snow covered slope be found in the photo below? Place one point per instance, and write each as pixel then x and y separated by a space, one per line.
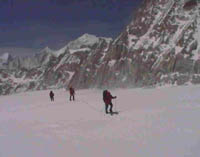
pixel 152 122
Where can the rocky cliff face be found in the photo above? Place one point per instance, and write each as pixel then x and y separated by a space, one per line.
pixel 161 45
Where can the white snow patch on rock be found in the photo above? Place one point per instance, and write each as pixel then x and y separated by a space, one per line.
pixel 60 51
pixel 111 63
pixel 72 51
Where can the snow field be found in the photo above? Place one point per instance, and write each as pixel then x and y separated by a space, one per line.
pixel 152 122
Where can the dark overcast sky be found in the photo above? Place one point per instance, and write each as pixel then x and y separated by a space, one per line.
pixel 35 24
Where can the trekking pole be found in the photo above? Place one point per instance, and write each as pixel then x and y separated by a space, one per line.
pixel 116 105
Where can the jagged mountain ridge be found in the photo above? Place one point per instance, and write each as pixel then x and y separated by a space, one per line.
pixel 49 69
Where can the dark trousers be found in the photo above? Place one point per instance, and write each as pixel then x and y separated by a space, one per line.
pixel 71 97
pixel 107 106
pixel 52 98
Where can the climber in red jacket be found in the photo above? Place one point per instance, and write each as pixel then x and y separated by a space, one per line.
pixel 107 98
pixel 72 93
pixel 51 95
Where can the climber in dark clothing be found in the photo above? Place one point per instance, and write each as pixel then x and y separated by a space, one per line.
pixel 72 93
pixel 51 95
pixel 107 98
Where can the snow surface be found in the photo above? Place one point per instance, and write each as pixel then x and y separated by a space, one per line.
pixel 152 122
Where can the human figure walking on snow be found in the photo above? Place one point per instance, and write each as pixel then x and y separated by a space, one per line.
pixel 72 93
pixel 51 95
pixel 107 98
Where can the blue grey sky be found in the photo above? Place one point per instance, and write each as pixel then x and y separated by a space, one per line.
pixel 35 24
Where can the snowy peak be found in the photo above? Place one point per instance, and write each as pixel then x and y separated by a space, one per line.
pixel 82 43
pixel 4 58
pixel 87 36
pixel 89 39
pixel 86 40
pixel 55 53
pixel 47 50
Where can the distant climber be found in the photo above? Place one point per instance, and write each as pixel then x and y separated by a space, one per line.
pixel 51 95
pixel 107 98
pixel 72 93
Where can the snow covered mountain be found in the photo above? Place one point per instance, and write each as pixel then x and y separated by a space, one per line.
pixel 50 68
pixel 161 45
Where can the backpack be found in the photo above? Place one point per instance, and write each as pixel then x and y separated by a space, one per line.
pixel 71 90
pixel 51 94
pixel 104 94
